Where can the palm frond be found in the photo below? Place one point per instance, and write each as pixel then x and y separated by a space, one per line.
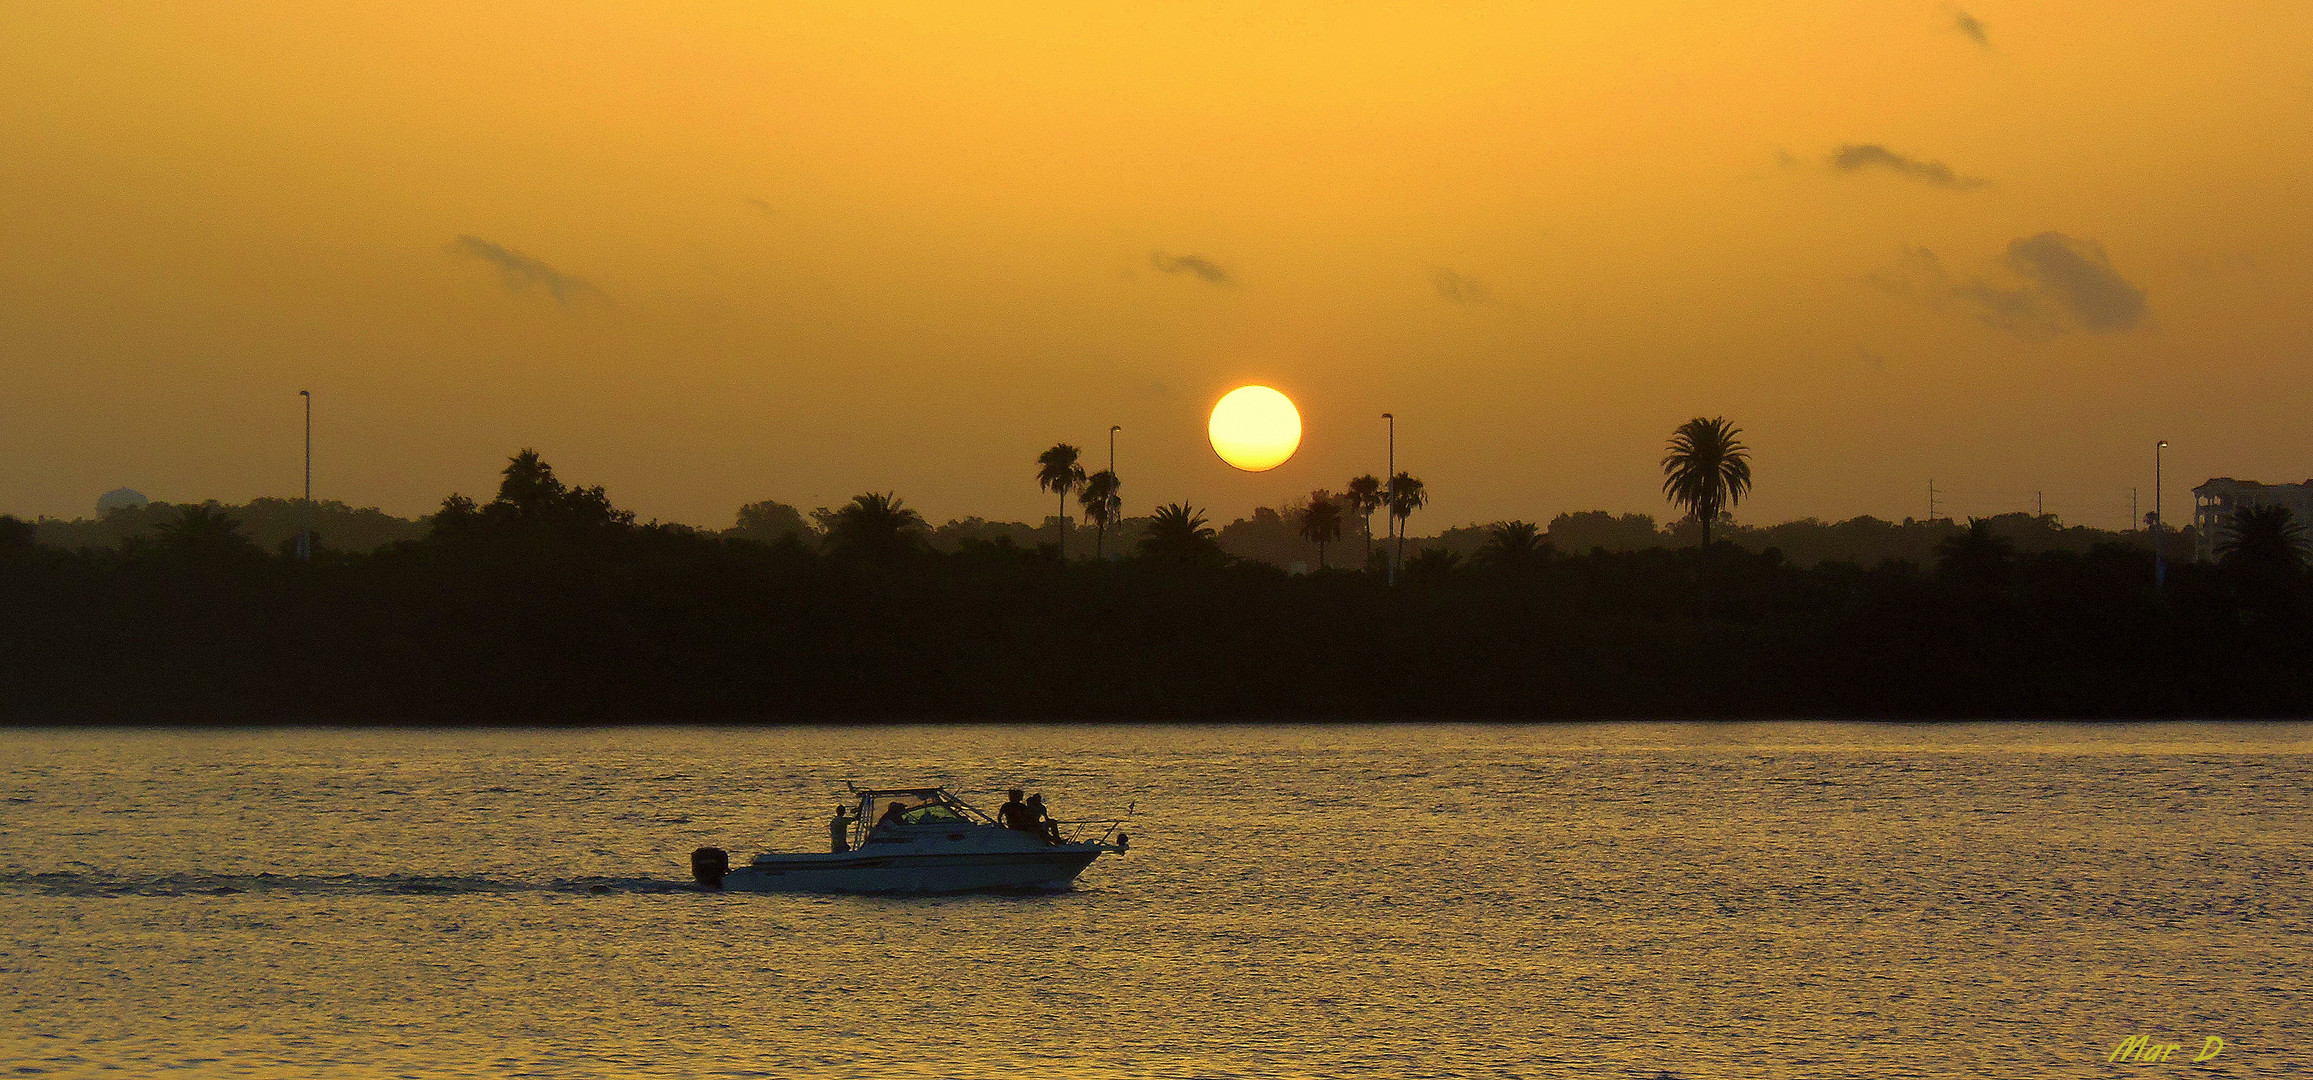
pixel 1707 470
pixel 1057 470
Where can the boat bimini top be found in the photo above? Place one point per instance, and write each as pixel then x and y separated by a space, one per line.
pixel 938 806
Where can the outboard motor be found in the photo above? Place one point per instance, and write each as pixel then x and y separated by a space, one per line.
pixel 708 865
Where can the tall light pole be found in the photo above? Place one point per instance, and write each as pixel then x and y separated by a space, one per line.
pixel 1100 551
pixel 305 512
pixel 1391 478
pixel 2159 551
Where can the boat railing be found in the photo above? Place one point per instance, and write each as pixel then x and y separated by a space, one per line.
pixel 1108 826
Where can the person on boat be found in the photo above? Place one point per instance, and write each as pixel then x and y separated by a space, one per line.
pixel 839 830
pixel 1015 814
pixel 1040 821
pixel 893 815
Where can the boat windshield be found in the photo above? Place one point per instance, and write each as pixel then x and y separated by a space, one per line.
pixel 917 806
pixel 934 814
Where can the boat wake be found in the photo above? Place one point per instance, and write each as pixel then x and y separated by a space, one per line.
pixel 93 884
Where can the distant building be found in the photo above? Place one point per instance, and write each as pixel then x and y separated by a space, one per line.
pixel 120 499
pixel 2215 501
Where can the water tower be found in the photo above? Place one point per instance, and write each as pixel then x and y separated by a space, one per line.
pixel 120 499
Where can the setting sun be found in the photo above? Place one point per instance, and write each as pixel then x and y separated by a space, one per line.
pixel 1745 434
pixel 1255 428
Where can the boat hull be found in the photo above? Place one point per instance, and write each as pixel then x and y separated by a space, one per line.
pixel 875 872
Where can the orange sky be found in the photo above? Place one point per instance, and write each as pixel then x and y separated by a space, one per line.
pixel 706 254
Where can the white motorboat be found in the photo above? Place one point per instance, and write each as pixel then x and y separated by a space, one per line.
pixel 933 843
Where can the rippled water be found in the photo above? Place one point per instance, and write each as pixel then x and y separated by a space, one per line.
pixel 1639 900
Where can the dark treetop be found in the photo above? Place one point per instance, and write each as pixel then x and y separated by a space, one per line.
pixel 548 604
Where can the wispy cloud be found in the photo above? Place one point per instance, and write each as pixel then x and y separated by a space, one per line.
pixel 1856 157
pixel 522 271
pixel 2079 275
pixel 1207 269
pixel 2060 283
pixel 763 208
pixel 1921 276
pixel 1453 288
pixel 1972 27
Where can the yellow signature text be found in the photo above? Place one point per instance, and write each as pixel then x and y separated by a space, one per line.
pixel 2141 1050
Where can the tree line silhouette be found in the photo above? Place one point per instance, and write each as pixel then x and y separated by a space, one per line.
pixel 550 604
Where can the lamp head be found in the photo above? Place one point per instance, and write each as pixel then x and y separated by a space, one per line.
pixel 2163 445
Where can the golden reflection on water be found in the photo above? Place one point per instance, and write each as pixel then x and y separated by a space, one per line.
pixel 1638 900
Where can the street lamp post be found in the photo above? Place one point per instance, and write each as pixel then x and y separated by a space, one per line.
pixel 1105 509
pixel 1389 478
pixel 305 512
pixel 2159 550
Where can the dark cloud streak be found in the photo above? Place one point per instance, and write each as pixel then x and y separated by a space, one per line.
pixel 1456 289
pixel 1972 27
pixel 522 271
pixel 2063 283
pixel 1210 271
pixel 2079 275
pixel 1856 157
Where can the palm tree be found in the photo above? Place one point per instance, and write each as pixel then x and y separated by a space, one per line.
pixel 1404 495
pixel 1320 522
pixel 531 497
pixel 1101 503
pixel 1178 533
pixel 529 485
pixel 205 532
pixel 873 526
pixel 1058 473
pixel 1363 498
pixel 1707 470
pixel 1512 544
pixel 2263 537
